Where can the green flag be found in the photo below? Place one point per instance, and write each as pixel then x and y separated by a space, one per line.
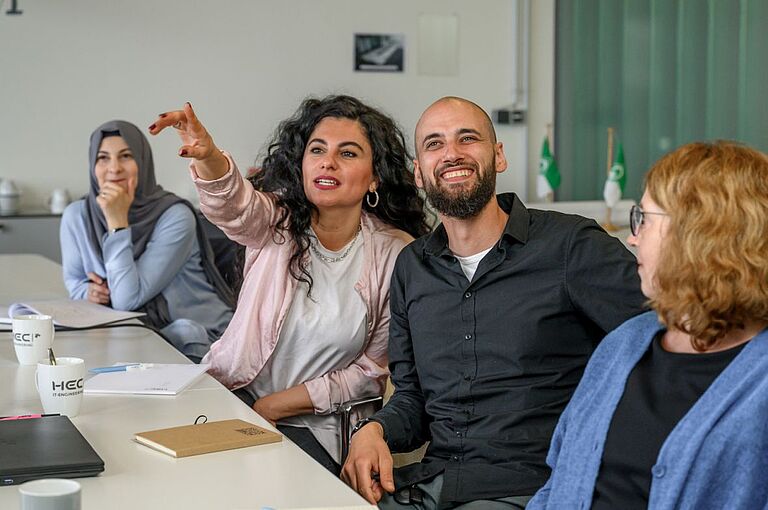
pixel 617 179
pixel 549 176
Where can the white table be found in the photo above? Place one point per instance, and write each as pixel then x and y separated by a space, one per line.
pixel 277 475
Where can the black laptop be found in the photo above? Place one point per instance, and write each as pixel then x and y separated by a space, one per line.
pixel 47 447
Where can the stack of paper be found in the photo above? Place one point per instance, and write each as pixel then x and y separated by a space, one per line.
pixel 70 313
pixel 158 380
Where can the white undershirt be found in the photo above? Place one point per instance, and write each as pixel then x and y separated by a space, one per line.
pixel 469 264
pixel 320 334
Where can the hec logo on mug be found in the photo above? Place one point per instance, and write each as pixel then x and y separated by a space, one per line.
pixel 24 338
pixel 72 384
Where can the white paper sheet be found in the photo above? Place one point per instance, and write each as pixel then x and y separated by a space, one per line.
pixel 71 313
pixel 159 380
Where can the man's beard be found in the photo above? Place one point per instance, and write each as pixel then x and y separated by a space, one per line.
pixel 462 203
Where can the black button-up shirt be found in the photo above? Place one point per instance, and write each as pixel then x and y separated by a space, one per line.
pixel 483 369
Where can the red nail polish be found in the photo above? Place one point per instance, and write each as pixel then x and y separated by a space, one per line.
pixel 153 126
pixel 163 115
pixel 183 152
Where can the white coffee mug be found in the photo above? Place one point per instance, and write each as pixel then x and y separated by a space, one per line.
pixel 9 197
pixel 58 201
pixel 61 385
pixel 50 494
pixel 32 337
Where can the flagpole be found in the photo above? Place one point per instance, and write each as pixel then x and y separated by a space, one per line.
pixel 551 194
pixel 608 224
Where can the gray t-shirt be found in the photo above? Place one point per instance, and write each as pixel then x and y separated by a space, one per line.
pixel 321 333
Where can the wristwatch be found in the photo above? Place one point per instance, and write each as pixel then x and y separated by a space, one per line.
pixel 118 229
pixel 362 423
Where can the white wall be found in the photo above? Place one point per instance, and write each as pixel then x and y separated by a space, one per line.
pixel 68 66
pixel 542 84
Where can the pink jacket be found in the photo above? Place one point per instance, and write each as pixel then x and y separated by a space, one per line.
pixel 248 217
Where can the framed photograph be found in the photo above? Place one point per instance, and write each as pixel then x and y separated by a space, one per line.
pixel 379 52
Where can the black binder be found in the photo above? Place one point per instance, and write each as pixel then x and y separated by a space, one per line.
pixel 47 447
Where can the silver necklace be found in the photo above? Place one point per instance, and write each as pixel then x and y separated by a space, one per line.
pixel 331 260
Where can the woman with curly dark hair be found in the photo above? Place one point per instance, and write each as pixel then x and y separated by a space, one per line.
pixel 672 408
pixel 323 222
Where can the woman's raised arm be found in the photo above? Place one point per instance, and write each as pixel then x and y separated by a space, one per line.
pixel 210 163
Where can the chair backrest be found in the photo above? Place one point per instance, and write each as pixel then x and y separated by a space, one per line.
pixel 228 255
pixel 374 403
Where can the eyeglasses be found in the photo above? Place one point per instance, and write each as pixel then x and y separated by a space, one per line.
pixel 637 217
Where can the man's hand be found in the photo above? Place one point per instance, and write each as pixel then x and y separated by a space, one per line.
pixel 368 455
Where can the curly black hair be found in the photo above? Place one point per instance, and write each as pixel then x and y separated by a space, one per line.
pixel 400 204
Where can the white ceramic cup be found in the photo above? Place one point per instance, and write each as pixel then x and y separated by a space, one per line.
pixel 58 201
pixel 50 494
pixel 32 337
pixel 9 197
pixel 61 385
pixel 9 204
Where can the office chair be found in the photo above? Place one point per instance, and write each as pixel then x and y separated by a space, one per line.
pixel 345 411
pixel 228 255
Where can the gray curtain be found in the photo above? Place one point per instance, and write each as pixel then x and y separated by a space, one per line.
pixel 663 73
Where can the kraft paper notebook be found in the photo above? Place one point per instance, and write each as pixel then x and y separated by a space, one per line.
pixel 208 437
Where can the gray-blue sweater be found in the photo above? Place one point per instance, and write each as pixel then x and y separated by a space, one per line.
pixel 715 457
pixel 169 265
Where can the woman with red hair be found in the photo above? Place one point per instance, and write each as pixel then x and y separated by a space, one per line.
pixel 672 409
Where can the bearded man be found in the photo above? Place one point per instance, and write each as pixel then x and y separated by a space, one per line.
pixel 493 318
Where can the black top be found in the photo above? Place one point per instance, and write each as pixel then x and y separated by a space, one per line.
pixel 484 369
pixel 660 391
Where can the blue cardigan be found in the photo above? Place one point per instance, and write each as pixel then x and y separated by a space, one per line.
pixel 715 457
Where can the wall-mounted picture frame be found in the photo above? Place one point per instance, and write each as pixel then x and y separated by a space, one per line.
pixel 380 52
